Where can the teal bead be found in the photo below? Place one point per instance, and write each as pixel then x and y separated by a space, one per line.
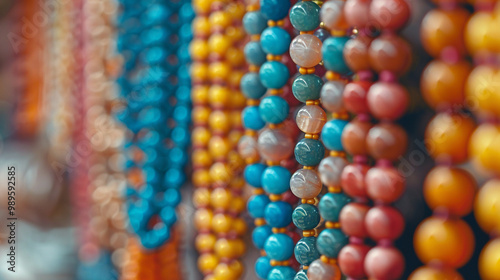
pixel 275 9
pixel 274 109
pixel 333 54
pixel 304 16
pixel 276 179
pixel 278 214
pixel 275 40
pixel 251 86
pixel 279 247
pixel 305 250
pixel 330 241
pixel 254 54
pixel 331 134
pixel 309 152
pixel 281 273
pixel 260 235
pixel 274 74
pixel 306 217
pixel 251 118
pixel 263 267
pixel 307 87
pixel 301 275
pixel 254 23
pixel 331 204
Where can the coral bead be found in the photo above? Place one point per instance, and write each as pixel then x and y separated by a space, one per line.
pixel 390 53
pixel 447 137
pixel 318 270
pixel 387 141
pixel 352 259
pixel 352 219
pixel 355 97
pixel 487 207
pixel 352 179
pixel 454 238
pixel 489 261
pixel 451 189
pixel 356 53
pixel 390 269
pixel 429 273
pixel 384 184
pixel 305 50
pixel 390 14
pixel 384 222
pixel 311 119
pixel 357 13
pixel 354 137
pixel 387 101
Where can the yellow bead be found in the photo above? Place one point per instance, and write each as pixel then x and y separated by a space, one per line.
pixel 235 162
pixel 239 226
pixel 219 71
pixel 484 148
pixel 235 57
pixel 205 242
pixel 202 6
pixel 200 136
pixel 482 91
pixel 199 94
pixel 489 261
pixel 201 197
pixel 429 273
pixel 220 121
pixel 234 137
pixel 238 205
pixel 219 147
pixel 220 19
pixel 224 248
pixel 237 183
pixel 203 219
pixel 236 268
pixel 201 26
pixel 477 32
pixel 200 115
pixel 236 121
pixel 238 100
pixel 236 10
pixel 223 272
pixel 198 49
pixel 201 158
pixel 487 207
pixel 219 44
pixel 239 247
pixel 221 198
pixel 207 263
pixel 219 96
pixel 235 33
pixel 202 177
pixel 220 173
pixel 221 223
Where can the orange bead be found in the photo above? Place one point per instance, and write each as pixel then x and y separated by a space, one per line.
pixel 447 137
pixel 441 29
pixel 478 32
pixel 449 242
pixel 201 197
pixel 484 148
pixel 450 188
pixel 489 261
pixel 483 91
pixel 487 207
pixel 429 273
pixel 443 84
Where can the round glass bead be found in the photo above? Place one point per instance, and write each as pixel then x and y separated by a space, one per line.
pixel 354 137
pixel 330 242
pixel 333 54
pixel 304 16
pixel 305 50
pixel 330 170
pixel 305 250
pixel 352 219
pixel 310 119
pixel 247 147
pixel 391 268
pixel 386 184
pixel 254 22
pixel 276 179
pixel 486 206
pixel 301 275
pixel 390 53
pixel 331 96
pixel 251 118
pixel 263 267
pixel 322 34
pixel 331 204
pixel 390 14
pixel 275 9
pixel 279 247
pixel 387 101
pixel 305 183
pixel 352 258
pixel 306 217
pixel 281 273
pixel 384 223
pixel 275 145
pixel 275 40
pixel 260 235
pixel 309 152
pixel 331 134
pixel 307 87
pixel 274 74
pixel 254 54
pixel 253 173
pixel 251 86
pixel 278 214
pixel 257 205
pixel 274 109
pixel 489 260
pixel 318 270
pixel 332 13
pixel 356 53
pixel 425 272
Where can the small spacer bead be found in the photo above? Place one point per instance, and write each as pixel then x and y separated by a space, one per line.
pixel 252 8
pixel 312 102
pixel 276 91
pixel 250 132
pixel 275 126
pixel 280 263
pixel 309 233
pixel 263 252
pixel 330 75
pixel 272 163
pixel 318 2
pixel 279 230
pixel 312 136
pixel 311 70
pixel 330 224
pixel 338 33
pixel 337 154
pixel 258 191
pixel 255 37
pixel 305 267
pixel 306 32
pixel 328 260
pixel 321 25
pixel 355 31
pixel 335 189
pixel 251 160
pixel 275 197
pixel 341 116
pixel 302 71
pixel 253 68
pixel 253 102
pixel 280 23
pixel 308 167
pixel 308 201
pixel 259 222
pixel 271 23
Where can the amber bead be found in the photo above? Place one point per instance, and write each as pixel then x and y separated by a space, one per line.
pixel 484 148
pixel 480 33
pixel 487 207
pixel 390 53
pixel 356 53
pixel 489 261
pixel 483 91
pixel 429 273
pixel 354 137
pixel 387 141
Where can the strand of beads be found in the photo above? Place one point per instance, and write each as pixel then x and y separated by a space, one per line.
pixel 448 190
pixel 483 98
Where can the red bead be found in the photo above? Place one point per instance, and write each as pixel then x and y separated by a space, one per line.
pixel 352 219
pixel 387 141
pixel 356 53
pixel 357 12
pixel 384 222
pixel 353 180
pixel 354 137
pixel 355 97
pixel 384 184
pixel 387 101
pixel 390 14
pixel 384 263
pixel 390 53
pixel 351 260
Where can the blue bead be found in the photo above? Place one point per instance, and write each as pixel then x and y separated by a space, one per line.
pixel 330 241
pixel 279 247
pixel 254 23
pixel 254 54
pixel 274 74
pixel 305 250
pixel 281 273
pixel 331 204
pixel 260 235
pixel 172 197
pixel 275 9
pixel 322 34
pixel 276 179
pixel 168 216
pixel 187 13
pixel 304 16
pixel 263 267
pixel 253 174
pixel 332 133
pixel 274 109
pixel 257 205
pixel 174 178
pixel 275 40
pixel 278 214
pixel 307 87
pixel 156 14
pixel 301 275
pixel 309 152
pixel 251 86
pixel 333 56
pixel 251 118
pixel 306 216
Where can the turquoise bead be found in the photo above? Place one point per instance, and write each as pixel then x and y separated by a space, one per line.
pixel 304 16
pixel 276 180
pixel 260 235
pixel 263 267
pixel 331 134
pixel 254 54
pixel 251 86
pixel 257 204
pixel 331 204
pixel 274 109
pixel 275 9
pixel 281 273
pixel 253 173
pixel 331 241
pixel 278 214
pixel 254 23
pixel 279 247
pixel 301 275
pixel 309 152
pixel 307 87
pixel 274 74
pixel 333 54
pixel 305 250
pixel 306 217
pixel 275 40
pixel 251 118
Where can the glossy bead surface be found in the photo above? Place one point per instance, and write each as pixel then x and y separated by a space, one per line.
pixel 273 74
pixel 483 148
pixel 331 204
pixel 390 53
pixel 309 152
pixel 307 87
pixel 353 180
pixel 253 173
pixel 251 86
pixel 330 242
pixel 330 170
pixel 247 147
pixel 304 16
pixel 331 96
pixel 311 119
pixel 306 216
pixel 275 40
pixel 332 14
pixel 354 137
pixel 356 53
pixel 254 54
pixel 305 183
pixel 333 54
pixel 351 260
pixel 254 22
pixel 384 222
pixel 331 134
pixel 357 13
pixel 319 270
pixel 390 14
pixel 278 214
pixel 260 235
pixel 257 205
pixel 384 184
pixel 281 273
pixel 355 97
pixel 387 141
pixel 274 109
pixel 276 179
pixel 275 145
pixel 306 251
pixel 391 268
pixel 279 247
pixel 352 219
pixel 252 119
pixel 482 91
pixel 387 101
pixel 429 273
pixel 305 50
pixel 274 9
pixel 489 260
pixel 263 267
pixel 486 207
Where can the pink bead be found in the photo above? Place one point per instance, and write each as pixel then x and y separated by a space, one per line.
pixel 305 50
pixel 384 222
pixel 384 263
pixel 356 53
pixel 275 145
pixel 355 97
pixel 305 183
pixel 352 219
pixel 247 147
pixel 351 260
pixel 390 14
pixel 310 119
pixel 384 184
pixel 331 96
pixel 331 13
pixel 387 101
pixel 357 12
pixel 352 179
pixel 318 270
